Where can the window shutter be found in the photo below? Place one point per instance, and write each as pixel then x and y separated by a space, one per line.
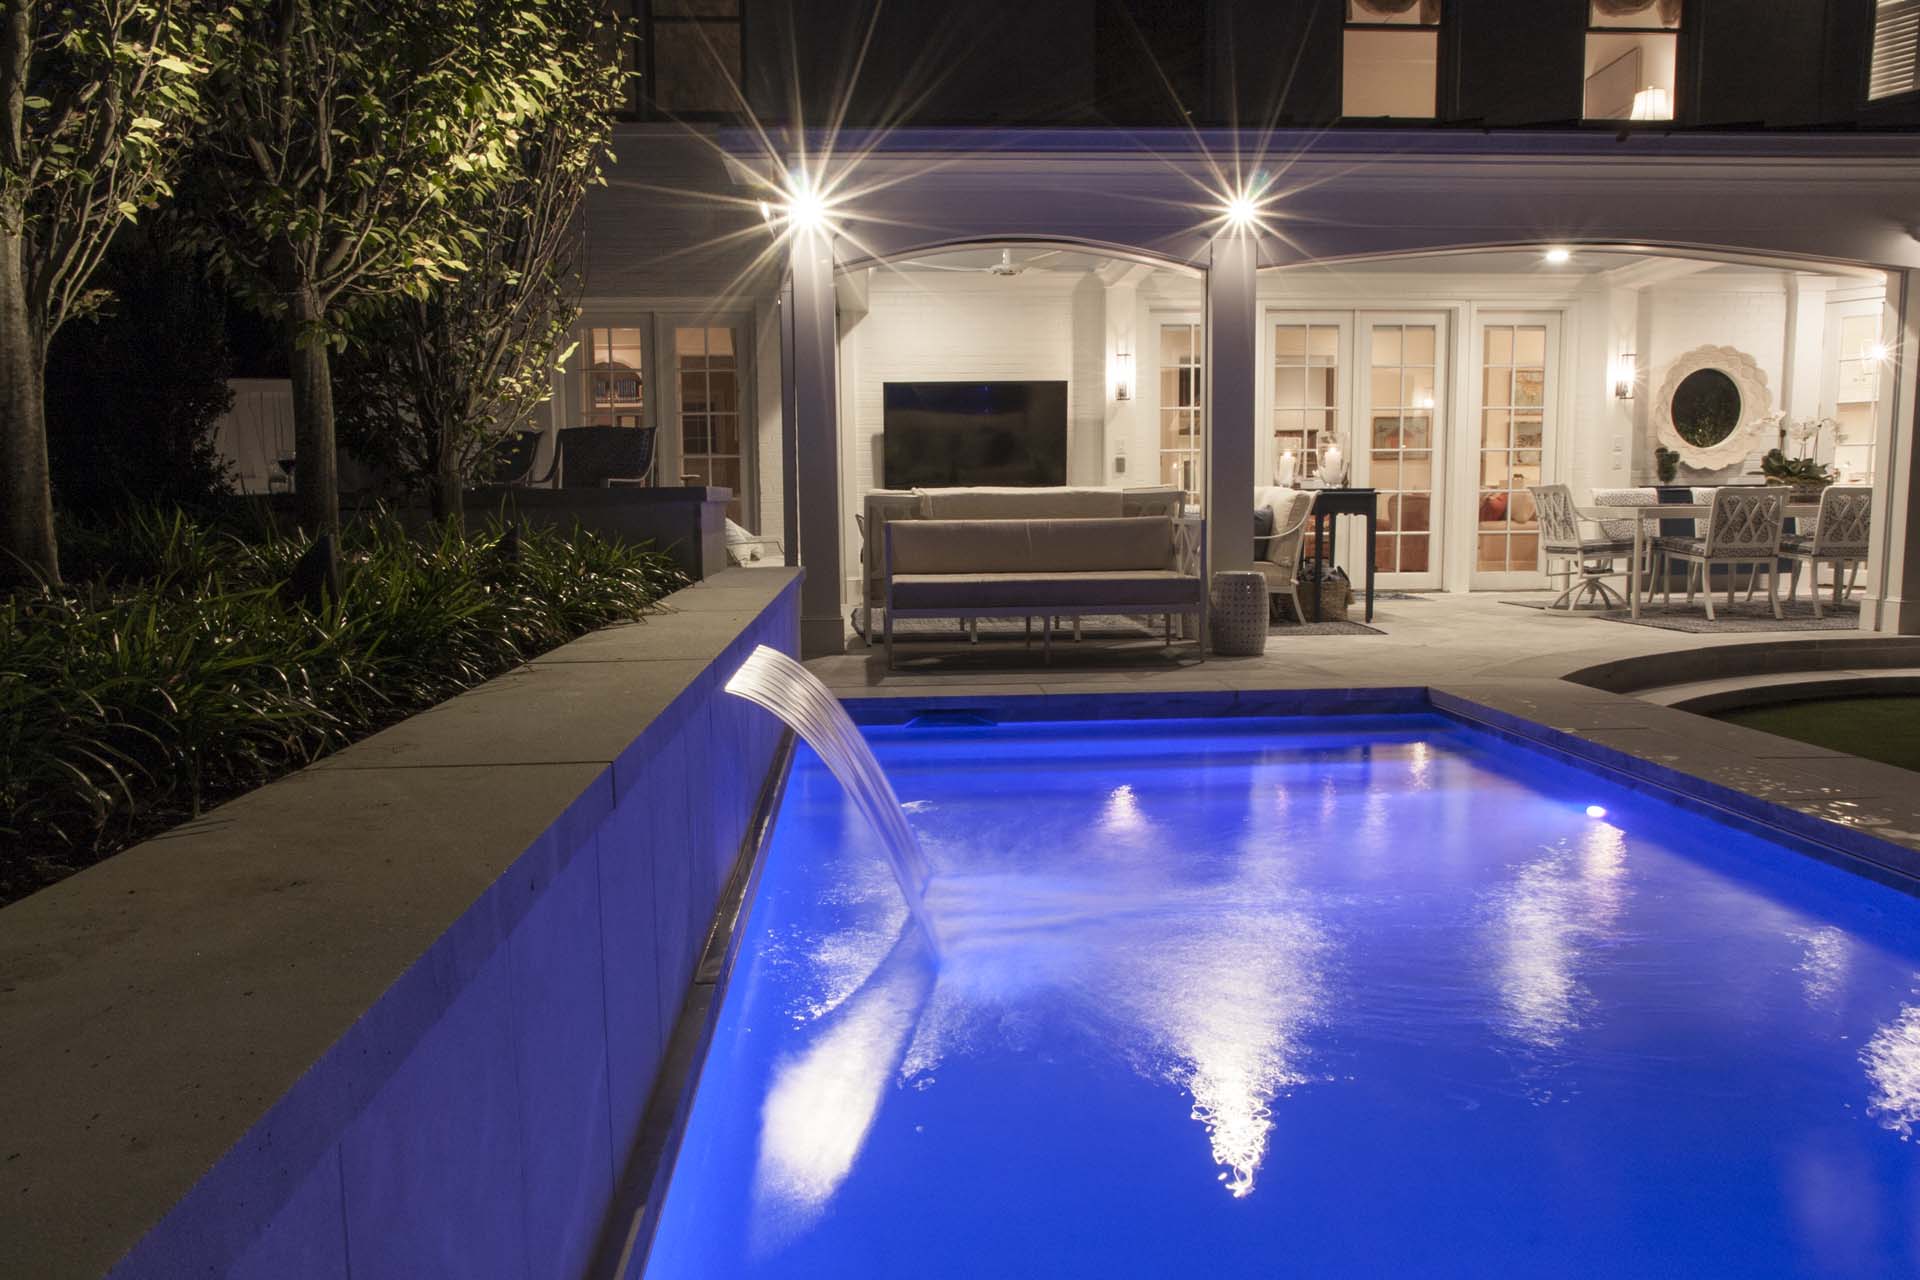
pixel 1896 49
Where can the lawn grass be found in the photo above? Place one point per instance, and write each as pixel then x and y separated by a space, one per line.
pixel 1882 727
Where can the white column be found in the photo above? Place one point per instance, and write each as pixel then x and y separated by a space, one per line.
pixel 815 402
pixel 1232 346
pixel 1892 582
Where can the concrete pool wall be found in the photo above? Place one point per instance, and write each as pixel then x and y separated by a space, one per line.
pixel 398 1014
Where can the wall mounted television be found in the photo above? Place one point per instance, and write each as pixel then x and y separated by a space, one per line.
pixel 945 434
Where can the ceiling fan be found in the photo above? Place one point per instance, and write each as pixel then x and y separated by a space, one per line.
pixel 1006 266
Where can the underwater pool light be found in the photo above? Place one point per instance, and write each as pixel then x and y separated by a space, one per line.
pixel 1596 811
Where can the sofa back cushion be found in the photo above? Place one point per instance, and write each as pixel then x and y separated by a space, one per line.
pixel 1032 546
pixel 1044 503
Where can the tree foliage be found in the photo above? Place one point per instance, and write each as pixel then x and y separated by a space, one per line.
pixel 450 369
pixel 346 129
pixel 96 100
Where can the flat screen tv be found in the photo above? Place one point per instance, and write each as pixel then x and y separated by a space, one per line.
pixel 944 434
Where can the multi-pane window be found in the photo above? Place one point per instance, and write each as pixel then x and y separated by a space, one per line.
pixel 1390 59
pixel 1512 431
pixel 694 49
pixel 1306 394
pixel 614 390
pixel 1402 407
pixel 1181 349
pixel 708 368
pixel 1896 49
pixel 1633 49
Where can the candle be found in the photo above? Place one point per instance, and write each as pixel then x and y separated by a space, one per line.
pixel 1283 475
pixel 1333 467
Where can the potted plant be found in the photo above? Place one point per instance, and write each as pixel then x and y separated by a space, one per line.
pixel 1666 464
pixel 1804 473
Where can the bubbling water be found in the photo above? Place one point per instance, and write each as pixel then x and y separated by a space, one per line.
pixel 772 680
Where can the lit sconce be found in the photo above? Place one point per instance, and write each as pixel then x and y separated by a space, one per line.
pixel 1652 103
pixel 1878 352
pixel 1625 374
pixel 1123 375
pixel 1558 256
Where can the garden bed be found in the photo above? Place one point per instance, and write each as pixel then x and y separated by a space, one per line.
pixel 179 669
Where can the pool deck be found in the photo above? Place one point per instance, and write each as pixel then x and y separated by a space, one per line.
pixel 1502 665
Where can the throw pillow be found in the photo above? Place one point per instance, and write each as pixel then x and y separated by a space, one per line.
pixel 1262 531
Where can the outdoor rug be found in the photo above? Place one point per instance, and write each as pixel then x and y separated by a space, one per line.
pixel 1279 630
pixel 1739 618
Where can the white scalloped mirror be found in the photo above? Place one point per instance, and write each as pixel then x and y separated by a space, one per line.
pixel 1710 401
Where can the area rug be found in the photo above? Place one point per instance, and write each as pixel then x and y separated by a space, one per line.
pixel 1742 617
pixel 1281 630
pixel 949 631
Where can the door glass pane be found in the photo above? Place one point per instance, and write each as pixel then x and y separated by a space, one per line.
pixel 1180 411
pixel 1306 379
pixel 711 446
pixel 612 394
pixel 1403 379
pixel 1515 366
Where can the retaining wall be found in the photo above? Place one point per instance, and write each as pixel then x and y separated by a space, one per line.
pixel 398 1014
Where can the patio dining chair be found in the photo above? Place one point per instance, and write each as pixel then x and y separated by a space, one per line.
pixel 1839 538
pixel 513 458
pixel 1586 563
pixel 1744 526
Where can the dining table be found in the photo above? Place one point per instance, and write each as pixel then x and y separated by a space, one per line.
pixel 1641 514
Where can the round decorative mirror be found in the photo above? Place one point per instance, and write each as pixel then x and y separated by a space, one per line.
pixel 1706 407
pixel 1709 403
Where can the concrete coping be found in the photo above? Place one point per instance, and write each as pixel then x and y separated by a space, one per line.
pixel 155 1008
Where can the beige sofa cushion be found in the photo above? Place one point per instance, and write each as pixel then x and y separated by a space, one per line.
pixel 1145 589
pixel 1031 547
pixel 1047 503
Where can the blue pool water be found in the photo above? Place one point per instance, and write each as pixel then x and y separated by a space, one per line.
pixel 1299 998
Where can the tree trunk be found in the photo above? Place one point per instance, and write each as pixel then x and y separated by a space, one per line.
pixel 447 493
pixel 27 549
pixel 316 478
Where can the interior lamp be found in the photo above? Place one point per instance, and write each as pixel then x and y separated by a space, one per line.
pixel 1652 103
pixel 1123 375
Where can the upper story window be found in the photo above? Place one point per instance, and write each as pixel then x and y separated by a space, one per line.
pixel 1896 49
pixel 1633 50
pixel 1390 59
pixel 614 390
pixel 694 50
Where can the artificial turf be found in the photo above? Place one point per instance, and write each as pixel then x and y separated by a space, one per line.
pixel 1884 728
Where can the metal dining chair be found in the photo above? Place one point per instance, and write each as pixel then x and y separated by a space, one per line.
pixel 603 457
pixel 1586 563
pixel 1744 526
pixel 1839 538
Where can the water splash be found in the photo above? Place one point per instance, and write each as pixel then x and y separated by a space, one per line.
pixel 772 680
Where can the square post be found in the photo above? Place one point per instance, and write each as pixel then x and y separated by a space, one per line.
pixel 1231 376
pixel 811 393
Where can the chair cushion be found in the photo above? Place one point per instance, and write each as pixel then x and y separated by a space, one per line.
pixel 1039 591
pixel 1262 530
pixel 1681 546
pixel 1031 547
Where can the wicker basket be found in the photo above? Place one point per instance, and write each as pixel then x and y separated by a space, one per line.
pixel 1237 618
pixel 1335 596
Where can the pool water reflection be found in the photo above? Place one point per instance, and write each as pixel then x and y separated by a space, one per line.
pixel 1277 997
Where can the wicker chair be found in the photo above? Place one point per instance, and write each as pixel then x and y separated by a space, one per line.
pixel 1279 556
pixel 1839 538
pixel 1586 563
pixel 1743 527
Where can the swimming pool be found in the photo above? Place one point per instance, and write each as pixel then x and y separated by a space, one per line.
pixel 1315 997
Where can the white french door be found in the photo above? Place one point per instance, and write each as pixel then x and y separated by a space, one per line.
pixel 1399 444
pixel 1515 407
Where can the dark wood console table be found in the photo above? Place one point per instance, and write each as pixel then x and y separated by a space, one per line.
pixel 1328 503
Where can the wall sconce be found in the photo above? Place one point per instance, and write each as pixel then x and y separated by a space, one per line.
pixel 1625 374
pixel 1123 375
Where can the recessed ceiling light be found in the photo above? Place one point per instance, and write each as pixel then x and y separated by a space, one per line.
pixel 1557 256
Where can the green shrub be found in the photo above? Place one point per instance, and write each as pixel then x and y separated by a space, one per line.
pixel 178 675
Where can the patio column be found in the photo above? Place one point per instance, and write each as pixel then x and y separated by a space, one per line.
pixel 1894 587
pixel 1232 344
pixel 811 395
